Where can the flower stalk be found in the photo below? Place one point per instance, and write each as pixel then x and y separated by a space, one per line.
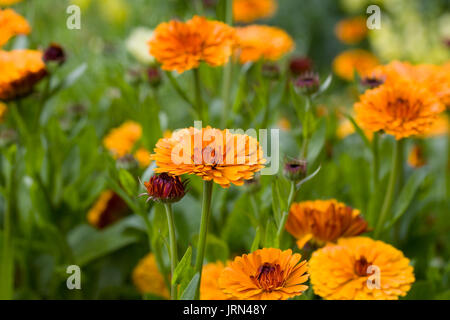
pixel 173 248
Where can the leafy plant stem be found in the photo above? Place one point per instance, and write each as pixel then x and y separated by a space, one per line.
pixel 292 194
pixel 198 94
pixel 376 160
pixel 173 248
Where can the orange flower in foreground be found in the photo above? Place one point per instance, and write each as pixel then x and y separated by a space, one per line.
pixel 12 24
pixel 212 154
pixel 323 221
pixel 108 209
pixel 402 108
pixel 20 71
pixel 120 141
pixel 262 42
pixel 346 63
pixel 209 287
pixel 182 46
pixel 148 279
pixel 349 269
pixel 352 30
pixel 250 10
pixel 266 274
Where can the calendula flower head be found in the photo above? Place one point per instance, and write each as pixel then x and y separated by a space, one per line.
pixel 20 71
pixel 108 209
pixel 360 269
pixel 307 83
pixel 295 169
pixel 323 221
pixel 181 46
pixel 120 141
pixel 346 63
pixel 402 108
pixel 257 42
pixel 148 279
pixel 300 65
pixel 250 10
pixel 54 53
pixel 416 157
pixel 12 24
pixel 137 45
pixel 165 188
pixel 209 286
pixel 265 274
pixel 213 154
pixel 352 30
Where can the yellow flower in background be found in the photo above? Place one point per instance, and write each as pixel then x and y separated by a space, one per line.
pixel 265 274
pixel 347 62
pixel 108 209
pixel 137 45
pixel 284 124
pixel 20 71
pixel 249 10
pixel 352 30
pixel 402 108
pixel 416 157
pixel 344 129
pixel 209 287
pixel 181 46
pixel 142 155
pixel 9 2
pixel 120 141
pixel 262 42
pixel 114 11
pixel 12 24
pixel 323 221
pixel 341 271
pixel 148 279
pixel 3 111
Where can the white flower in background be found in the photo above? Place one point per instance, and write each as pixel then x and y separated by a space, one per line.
pixel 137 45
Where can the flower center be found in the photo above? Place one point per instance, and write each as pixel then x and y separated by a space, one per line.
pixel 361 266
pixel 269 277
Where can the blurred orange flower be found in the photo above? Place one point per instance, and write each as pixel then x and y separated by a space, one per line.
pixel 262 42
pixel 416 157
pixel 266 274
pixel 148 279
pixel 182 46
pixel 120 141
pixel 346 63
pixel 12 24
pixel 9 2
pixel 249 10
pixel 323 221
pixel 342 271
pixel 142 155
pixel 209 287
pixel 108 209
pixel 352 30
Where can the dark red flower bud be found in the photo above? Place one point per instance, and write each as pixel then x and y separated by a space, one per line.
pixel 307 82
pixel 165 188
pixel 154 76
pixel 295 170
pixel 300 65
pixel 54 53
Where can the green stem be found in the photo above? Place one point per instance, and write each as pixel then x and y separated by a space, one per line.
pixel 389 197
pixel 306 126
pixel 182 94
pixel 206 210
pixel 376 160
pixel 198 94
pixel 292 194
pixel 173 248
pixel 227 70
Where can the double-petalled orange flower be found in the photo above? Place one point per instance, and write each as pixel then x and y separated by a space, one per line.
pixel 262 42
pixel 323 221
pixel 209 286
pixel 360 269
pixel 346 63
pixel 20 71
pixel 182 46
pixel 148 279
pixel 213 154
pixel 352 30
pixel 401 108
pixel 266 274
pixel 12 24
pixel 250 10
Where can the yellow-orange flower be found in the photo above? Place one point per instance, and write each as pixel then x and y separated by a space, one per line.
pixel 209 287
pixel 262 42
pixel 148 279
pixel 249 10
pixel 402 108
pixel 8 2
pixel 416 157
pixel 439 127
pixel 3 111
pixel 213 154
pixel 142 155
pixel 266 274
pixel 108 209
pixel 352 30
pixel 12 24
pixel 120 141
pixel 323 221
pixel 182 46
pixel 20 71
pixel 346 63
pixel 342 271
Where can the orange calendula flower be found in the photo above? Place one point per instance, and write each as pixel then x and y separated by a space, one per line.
pixel 12 24
pixel 402 108
pixel 182 46
pixel 142 155
pixel 266 274
pixel 323 221
pixel 352 30
pixel 20 71
pixel 213 154
pixel 108 209
pixel 416 157
pixel 360 269
pixel 148 279
pixel 120 141
pixel 346 63
pixel 262 42
pixel 250 10
pixel 209 287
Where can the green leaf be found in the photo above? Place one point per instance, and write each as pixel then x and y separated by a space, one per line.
pixel 359 131
pixel 128 182
pixel 324 86
pixel 73 76
pixel 271 235
pixel 256 241
pixel 191 289
pixel 182 266
pixel 312 175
